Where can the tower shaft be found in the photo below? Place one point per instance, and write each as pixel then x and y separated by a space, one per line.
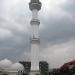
pixel 35 6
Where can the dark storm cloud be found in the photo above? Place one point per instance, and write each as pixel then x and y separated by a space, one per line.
pixel 14 38
pixel 61 27
pixel 70 7
pixel 12 46
pixel 58 26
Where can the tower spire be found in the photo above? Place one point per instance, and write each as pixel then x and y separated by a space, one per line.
pixel 35 6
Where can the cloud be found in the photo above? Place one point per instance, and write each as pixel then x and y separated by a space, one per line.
pixel 58 54
pixel 13 29
pixel 58 25
pixel 4 33
pixel 57 28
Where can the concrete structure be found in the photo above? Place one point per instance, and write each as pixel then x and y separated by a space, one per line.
pixel 35 6
pixel 10 72
pixel 44 68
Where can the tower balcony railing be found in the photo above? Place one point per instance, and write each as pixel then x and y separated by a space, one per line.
pixel 35 21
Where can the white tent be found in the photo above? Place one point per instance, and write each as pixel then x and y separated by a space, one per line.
pixel 17 66
pixel 5 64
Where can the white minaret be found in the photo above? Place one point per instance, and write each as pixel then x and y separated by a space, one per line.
pixel 35 6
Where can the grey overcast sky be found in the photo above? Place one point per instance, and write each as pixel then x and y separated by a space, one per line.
pixel 57 31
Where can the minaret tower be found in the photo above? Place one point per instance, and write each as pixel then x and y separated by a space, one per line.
pixel 35 6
